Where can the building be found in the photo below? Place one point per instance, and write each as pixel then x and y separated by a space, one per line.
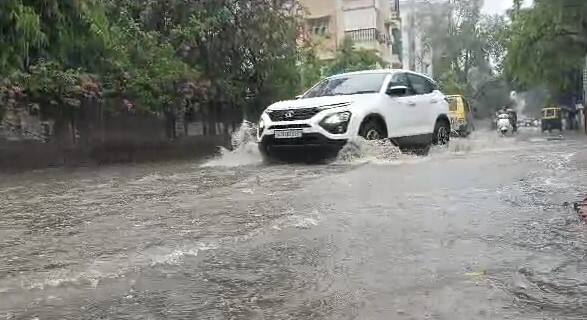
pixel 422 52
pixel 582 112
pixel 371 24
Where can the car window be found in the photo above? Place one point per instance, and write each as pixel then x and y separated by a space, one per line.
pixel 433 85
pixel 420 84
pixel 401 79
pixel 549 112
pixel 348 85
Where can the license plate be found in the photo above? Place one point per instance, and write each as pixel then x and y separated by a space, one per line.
pixel 288 134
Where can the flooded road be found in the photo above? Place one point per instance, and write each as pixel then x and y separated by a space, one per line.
pixel 474 232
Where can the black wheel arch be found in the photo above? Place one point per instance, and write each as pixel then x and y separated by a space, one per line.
pixel 443 118
pixel 374 117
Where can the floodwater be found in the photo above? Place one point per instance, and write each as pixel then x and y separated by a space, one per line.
pixel 475 231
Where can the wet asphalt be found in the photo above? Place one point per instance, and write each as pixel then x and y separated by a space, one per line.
pixel 475 231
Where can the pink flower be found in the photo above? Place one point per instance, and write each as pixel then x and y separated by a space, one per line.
pixel 129 105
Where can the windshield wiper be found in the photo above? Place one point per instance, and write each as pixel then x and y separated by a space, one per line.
pixel 342 94
pixel 358 92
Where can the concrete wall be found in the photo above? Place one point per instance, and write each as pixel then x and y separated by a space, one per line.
pixel 363 18
pixel 26 155
pixel 327 44
pixel 113 138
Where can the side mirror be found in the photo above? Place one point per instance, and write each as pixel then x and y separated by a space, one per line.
pixel 299 96
pixel 396 91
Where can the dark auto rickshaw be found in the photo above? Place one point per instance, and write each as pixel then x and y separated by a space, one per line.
pixel 552 119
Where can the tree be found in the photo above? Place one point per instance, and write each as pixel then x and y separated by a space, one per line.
pixel 548 44
pixel 156 57
pixel 494 35
pixel 310 67
pixel 348 58
pixel 467 49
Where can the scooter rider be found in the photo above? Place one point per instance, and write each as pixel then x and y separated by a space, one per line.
pixel 513 119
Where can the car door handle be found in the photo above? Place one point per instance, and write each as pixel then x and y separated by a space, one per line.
pixel 433 101
pixel 411 104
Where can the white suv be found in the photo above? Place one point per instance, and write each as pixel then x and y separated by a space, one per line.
pixel 404 106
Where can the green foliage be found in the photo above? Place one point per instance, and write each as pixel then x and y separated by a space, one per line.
pixel 50 85
pixel 11 94
pixel 348 59
pixel 450 84
pixel 548 44
pixel 154 54
pixel 468 49
pixel 144 68
pixel 310 67
pixel 20 35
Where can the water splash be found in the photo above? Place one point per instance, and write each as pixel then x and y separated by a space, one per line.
pixel 174 256
pixel 244 149
pixel 519 102
pixel 529 103
pixel 361 150
pixel 482 141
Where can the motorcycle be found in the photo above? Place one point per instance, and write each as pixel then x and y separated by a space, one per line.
pixel 504 125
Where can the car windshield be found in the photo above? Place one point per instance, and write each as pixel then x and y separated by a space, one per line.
pixel 347 85
pixel 550 112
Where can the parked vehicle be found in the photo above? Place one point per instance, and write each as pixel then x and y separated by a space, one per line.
pixel 404 106
pixel 461 116
pixel 552 119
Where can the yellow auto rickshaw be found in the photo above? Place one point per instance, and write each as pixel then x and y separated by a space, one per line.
pixel 461 117
pixel 552 119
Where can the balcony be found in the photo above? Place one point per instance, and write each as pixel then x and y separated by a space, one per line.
pixel 356 4
pixel 368 35
pixel 372 39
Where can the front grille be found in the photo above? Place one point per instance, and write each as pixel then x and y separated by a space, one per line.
pixel 308 139
pixel 293 114
pixel 305 140
pixel 290 126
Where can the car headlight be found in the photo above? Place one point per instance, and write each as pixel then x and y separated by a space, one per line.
pixel 336 123
pixel 260 127
pixel 337 118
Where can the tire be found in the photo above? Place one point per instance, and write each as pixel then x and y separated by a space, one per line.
pixel 441 133
pixel 372 130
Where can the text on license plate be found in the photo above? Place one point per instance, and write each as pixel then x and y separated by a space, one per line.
pixel 288 134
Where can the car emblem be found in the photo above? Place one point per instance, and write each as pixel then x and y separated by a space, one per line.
pixel 289 114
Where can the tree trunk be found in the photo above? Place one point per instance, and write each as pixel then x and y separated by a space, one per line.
pixel 211 120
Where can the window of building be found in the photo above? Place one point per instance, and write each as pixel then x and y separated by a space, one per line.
pixel 319 26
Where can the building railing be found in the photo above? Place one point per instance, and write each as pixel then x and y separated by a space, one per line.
pixel 371 34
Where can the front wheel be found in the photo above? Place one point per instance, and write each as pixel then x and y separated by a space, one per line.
pixel 372 130
pixel 441 133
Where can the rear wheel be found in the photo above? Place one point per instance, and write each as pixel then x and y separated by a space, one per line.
pixel 441 133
